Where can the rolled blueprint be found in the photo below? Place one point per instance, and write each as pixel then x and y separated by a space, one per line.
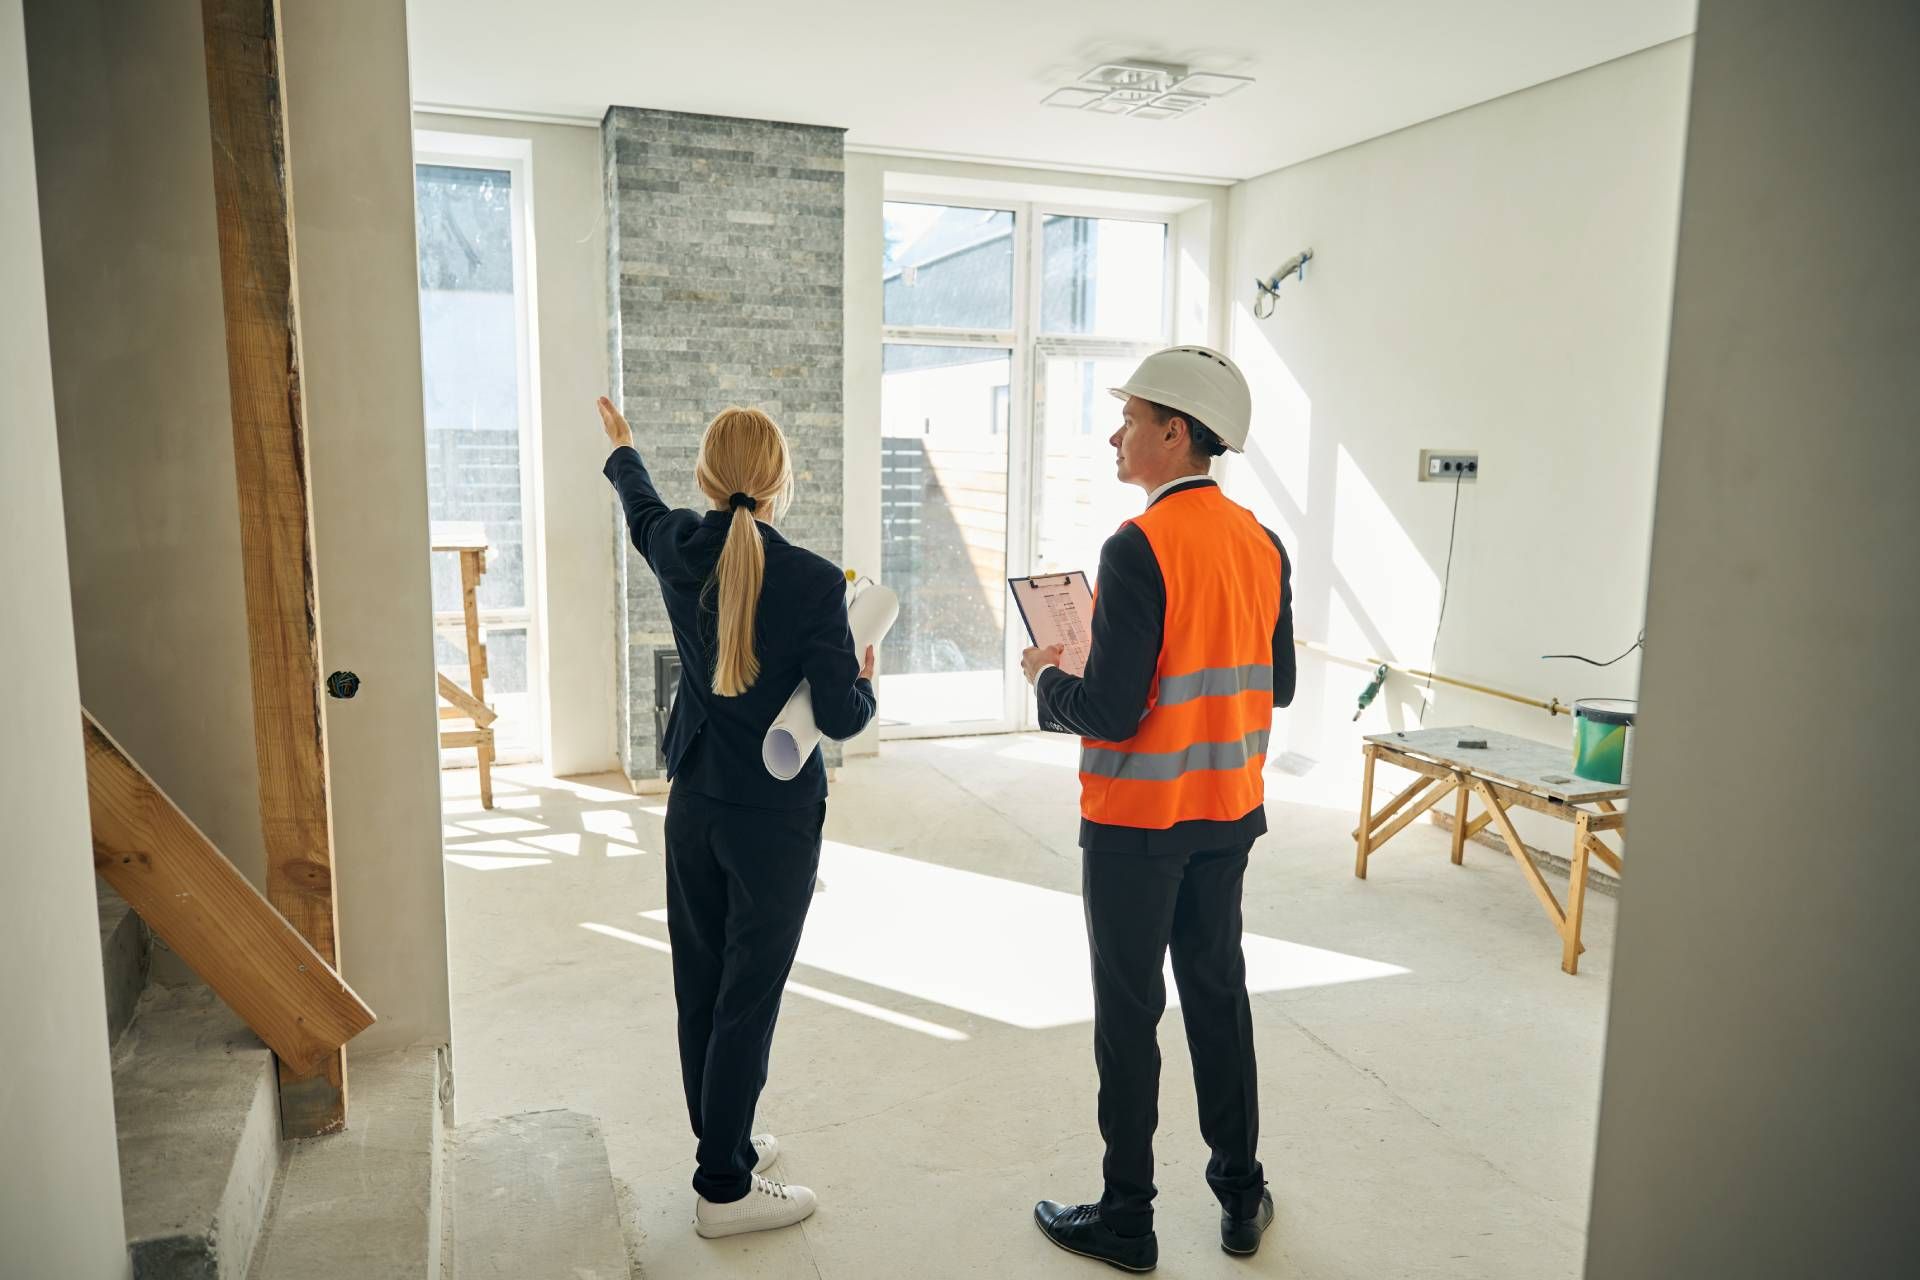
pixel 791 740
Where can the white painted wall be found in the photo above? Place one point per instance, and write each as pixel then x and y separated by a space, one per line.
pixel 1496 280
pixel 1757 1116
pixel 60 1181
pixel 140 387
pixel 351 147
pixel 568 215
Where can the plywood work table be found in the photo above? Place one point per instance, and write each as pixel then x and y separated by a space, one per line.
pixel 1508 771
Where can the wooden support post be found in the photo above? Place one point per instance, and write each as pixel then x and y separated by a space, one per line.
pixel 1576 897
pixel 1518 848
pixel 1363 840
pixel 253 202
pixel 1461 796
pixel 1441 788
pixel 1394 805
pixel 472 565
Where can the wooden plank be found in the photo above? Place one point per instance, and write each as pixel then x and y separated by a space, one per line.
pixel 1414 764
pixel 1364 839
pixel 1576 897
pixel 1461 796
pixel 201 906
pixel 1440 792
pixel 465 703
pixel 1605 854
pixel 1509 795
pixel 1393 806
pixel 472 565
pixel 1519 762
pixel 465 737
pixel 1520 855
pixel 254 212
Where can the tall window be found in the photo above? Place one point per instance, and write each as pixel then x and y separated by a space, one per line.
pixel 474 362
pixel 1003 329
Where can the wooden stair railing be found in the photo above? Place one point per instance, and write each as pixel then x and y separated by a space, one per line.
pixel 200 905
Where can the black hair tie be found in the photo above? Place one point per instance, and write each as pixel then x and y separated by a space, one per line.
pixel 740 500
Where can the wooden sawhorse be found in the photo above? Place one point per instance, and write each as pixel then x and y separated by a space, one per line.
pixel 469 541
pixel 1508 771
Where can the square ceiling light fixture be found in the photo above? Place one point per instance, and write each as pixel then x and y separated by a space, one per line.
pixel 1144 90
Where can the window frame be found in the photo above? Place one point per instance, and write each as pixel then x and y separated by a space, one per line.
pixel 514 156
pixel 1029 346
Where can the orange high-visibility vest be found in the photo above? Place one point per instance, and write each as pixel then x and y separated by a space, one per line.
pixel 1203 741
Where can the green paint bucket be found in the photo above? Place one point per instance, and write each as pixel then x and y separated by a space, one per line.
pixel 1603 739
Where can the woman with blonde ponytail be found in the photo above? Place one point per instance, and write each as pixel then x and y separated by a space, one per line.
pixel 752 616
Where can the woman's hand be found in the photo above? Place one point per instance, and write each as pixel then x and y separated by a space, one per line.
pixel 618 432
pixel 866 668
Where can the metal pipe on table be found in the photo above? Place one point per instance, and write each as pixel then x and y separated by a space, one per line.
pixel 1552 707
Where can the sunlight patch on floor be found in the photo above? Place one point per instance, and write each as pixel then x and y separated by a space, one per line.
pixel 993 947
pixel 861 1007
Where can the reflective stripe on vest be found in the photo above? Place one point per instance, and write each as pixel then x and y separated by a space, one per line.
pixel 1199 749
pixel 1215 682
pixel 1165 766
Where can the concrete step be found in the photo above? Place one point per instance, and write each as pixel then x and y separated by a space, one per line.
pixel 533 1196
pixel 126 952
pixel 365 1202
pixel 199 1118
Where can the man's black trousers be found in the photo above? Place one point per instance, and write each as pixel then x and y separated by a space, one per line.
pixel 739 882
pixel 1138 905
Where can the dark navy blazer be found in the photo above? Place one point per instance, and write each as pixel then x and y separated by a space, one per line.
pixel 713 743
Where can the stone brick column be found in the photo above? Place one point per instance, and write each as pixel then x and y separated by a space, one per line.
pixel 725 245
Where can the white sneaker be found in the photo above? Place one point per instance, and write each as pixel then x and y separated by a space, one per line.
pixel 766 1206
pixel 767 1148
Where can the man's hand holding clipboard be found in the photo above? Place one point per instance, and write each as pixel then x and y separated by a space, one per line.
pixel 1058 611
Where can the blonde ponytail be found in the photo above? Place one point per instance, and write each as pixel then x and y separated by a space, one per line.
pixel 743 453
pixel 742 568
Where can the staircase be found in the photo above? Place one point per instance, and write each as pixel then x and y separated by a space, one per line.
pixel 211 1192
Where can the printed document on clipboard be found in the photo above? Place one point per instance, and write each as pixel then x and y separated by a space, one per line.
pixel 1058 609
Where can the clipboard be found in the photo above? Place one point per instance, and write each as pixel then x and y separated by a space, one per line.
pixel 1058 609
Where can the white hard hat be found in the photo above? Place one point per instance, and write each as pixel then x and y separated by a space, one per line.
pixel 1198 382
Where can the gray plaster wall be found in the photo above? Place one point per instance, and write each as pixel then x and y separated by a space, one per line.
pixel 725 258
pixel 1758 1111
pixel 60 1182
pixel 146 445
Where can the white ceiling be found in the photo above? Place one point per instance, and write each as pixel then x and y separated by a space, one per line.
pixel 965 80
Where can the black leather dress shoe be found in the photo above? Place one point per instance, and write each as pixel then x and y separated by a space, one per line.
pixel 1079 1229
pixel 1241 1236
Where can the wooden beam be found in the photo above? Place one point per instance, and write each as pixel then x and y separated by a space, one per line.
pixel 1520 855
pixel 465 704
pixel 1441 790
pixel 1363 834
pixel 254 208
pixel 200 904
pixel 466 737
pixel 1393 806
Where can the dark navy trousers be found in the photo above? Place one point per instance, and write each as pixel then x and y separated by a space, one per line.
pixel 739 882
pixel 1139 906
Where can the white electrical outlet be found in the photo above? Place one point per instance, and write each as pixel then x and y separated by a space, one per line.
pixel 1449 466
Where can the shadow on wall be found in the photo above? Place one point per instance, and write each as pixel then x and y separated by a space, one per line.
pixel 1352 558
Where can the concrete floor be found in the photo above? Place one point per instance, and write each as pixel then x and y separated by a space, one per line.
pixel 1429 1078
